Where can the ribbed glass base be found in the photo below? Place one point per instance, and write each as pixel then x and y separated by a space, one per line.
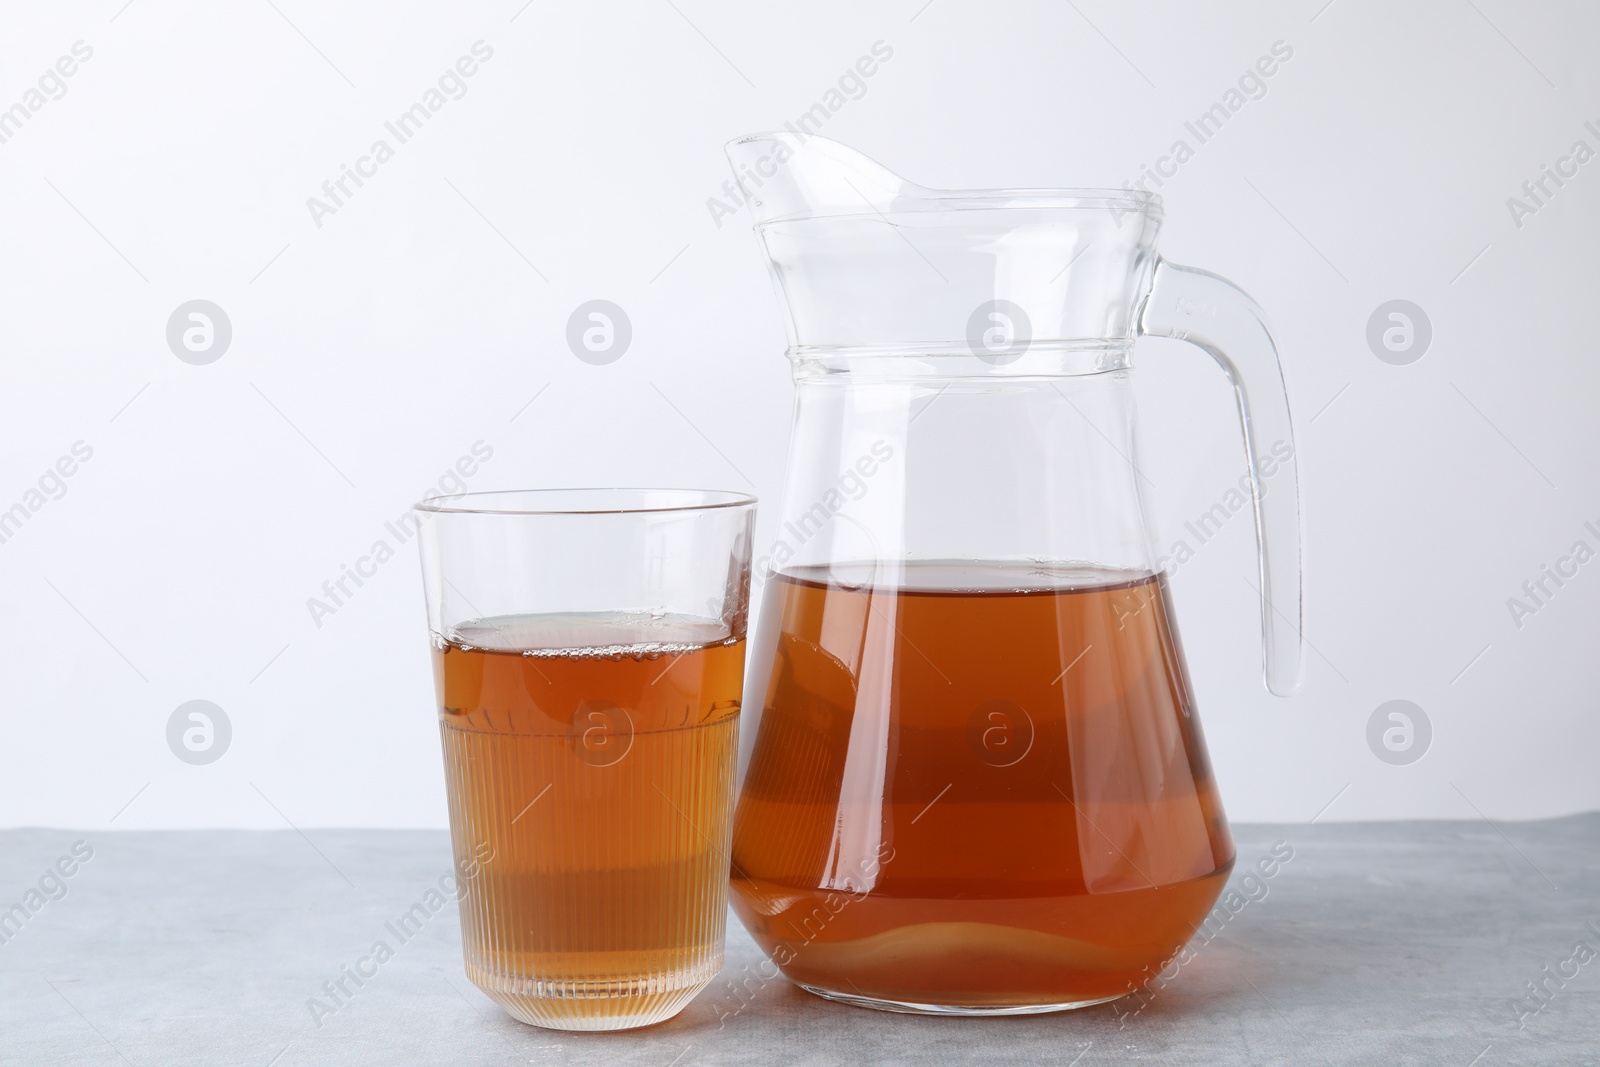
pixel 616 1005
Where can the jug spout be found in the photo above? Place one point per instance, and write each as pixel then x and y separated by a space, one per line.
pixel 786 175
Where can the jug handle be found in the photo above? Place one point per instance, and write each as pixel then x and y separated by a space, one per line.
pixel 1214 314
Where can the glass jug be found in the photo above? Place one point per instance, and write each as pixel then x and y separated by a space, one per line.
pixel 972 777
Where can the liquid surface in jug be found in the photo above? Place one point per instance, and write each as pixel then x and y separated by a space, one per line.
pixel 974 784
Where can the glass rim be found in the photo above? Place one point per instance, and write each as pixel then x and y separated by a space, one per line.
pixel 594 500
pixel 950 205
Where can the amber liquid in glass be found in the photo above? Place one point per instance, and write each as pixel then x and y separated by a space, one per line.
pixel 589 762
pixel 974 787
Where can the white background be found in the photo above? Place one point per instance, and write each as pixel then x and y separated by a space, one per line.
pixel 371 352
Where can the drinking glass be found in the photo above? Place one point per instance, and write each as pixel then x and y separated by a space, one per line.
pixel 588 651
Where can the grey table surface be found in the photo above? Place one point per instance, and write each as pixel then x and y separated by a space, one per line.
pixel 1396 943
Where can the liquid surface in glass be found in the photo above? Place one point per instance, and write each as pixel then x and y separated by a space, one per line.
pixel 975 785
pixel 589 761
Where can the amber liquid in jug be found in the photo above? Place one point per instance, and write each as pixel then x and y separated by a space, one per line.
pixel 974 786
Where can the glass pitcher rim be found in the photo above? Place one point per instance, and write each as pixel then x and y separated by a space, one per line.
pixel 930 201
pixel 953 201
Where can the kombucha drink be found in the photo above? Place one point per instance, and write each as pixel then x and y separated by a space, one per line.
pixel 973 787
pixel 589 762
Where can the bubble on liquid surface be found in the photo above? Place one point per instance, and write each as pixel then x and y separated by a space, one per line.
pixel 592 635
